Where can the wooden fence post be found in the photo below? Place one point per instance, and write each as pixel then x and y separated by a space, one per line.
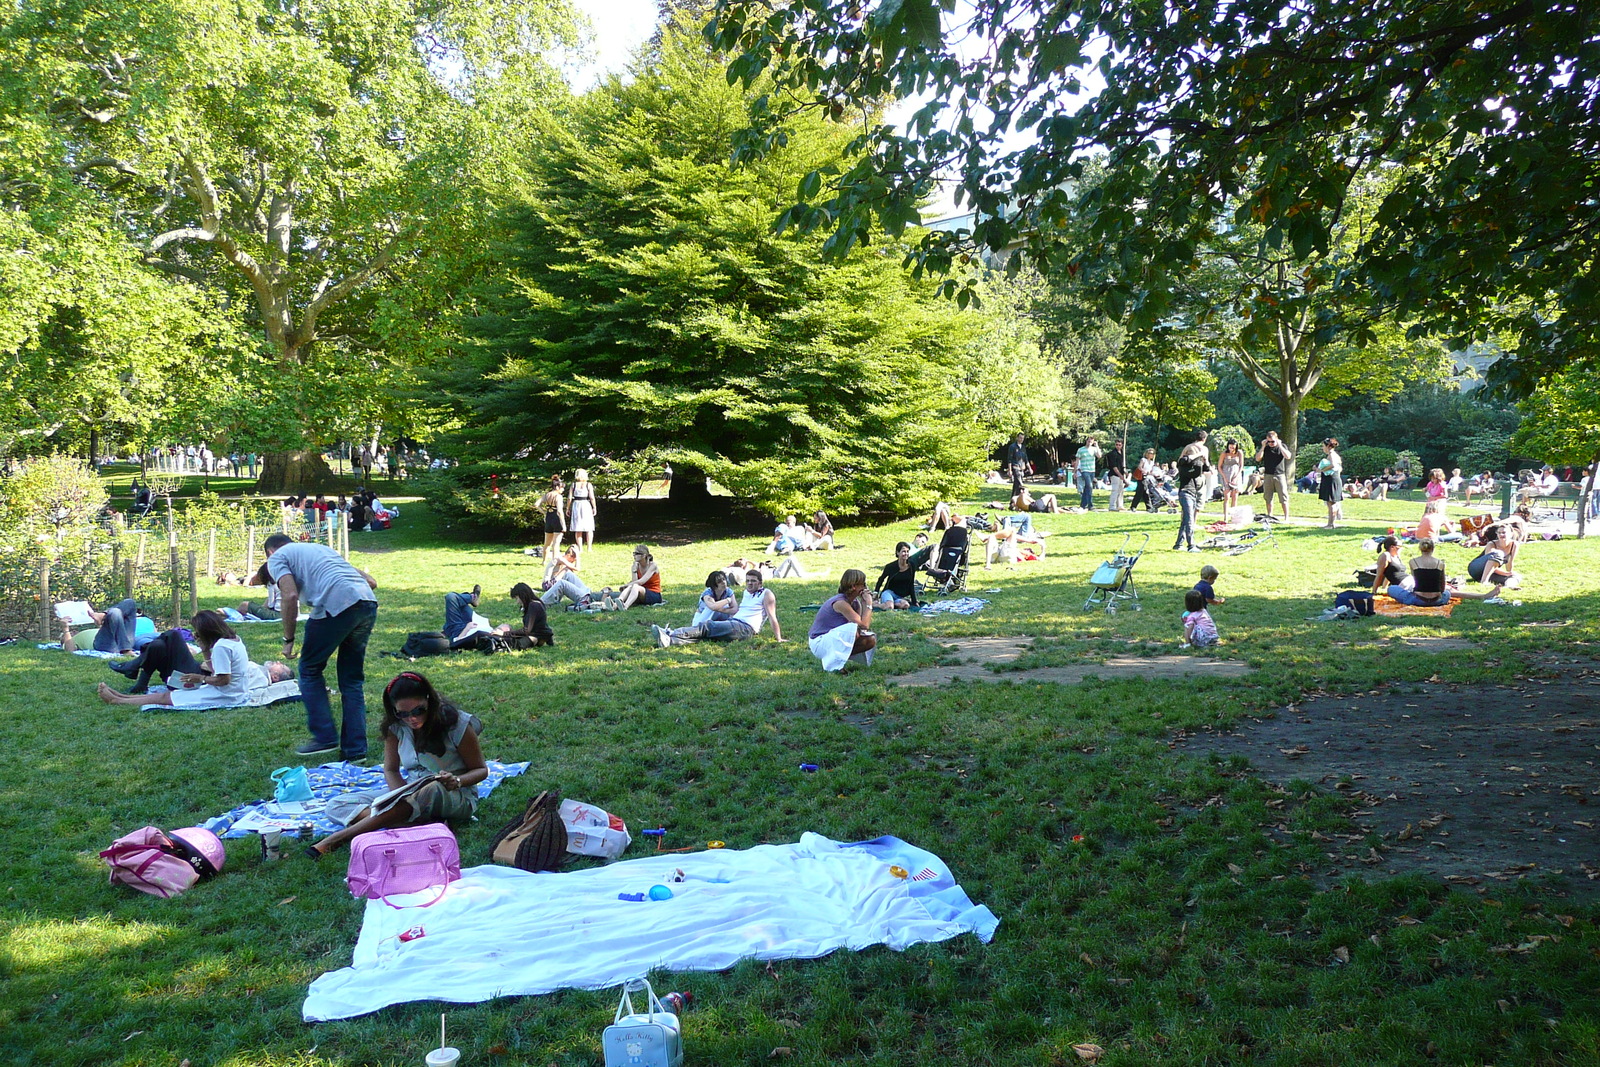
pixel 194 604
pixel 332 537
pixel 46 609
pixel 177 583
pixel 116 561
pixel 249 552
pixel 140 558
pixel 211 552
pixel 127 577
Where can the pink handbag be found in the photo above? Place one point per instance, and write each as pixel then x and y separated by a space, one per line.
pixel 404 860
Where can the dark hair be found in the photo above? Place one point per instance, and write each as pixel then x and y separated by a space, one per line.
pixel 1199 435
pixel 715 578
pixel 1194 600
pixel 1391 542
pixel 523 592
pixel 276 541
pixel 1233 442
pixel 432 735
pixel 1331 442
pixel 899 545
pixel 210 627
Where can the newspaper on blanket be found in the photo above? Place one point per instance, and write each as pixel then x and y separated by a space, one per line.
pixel 394 796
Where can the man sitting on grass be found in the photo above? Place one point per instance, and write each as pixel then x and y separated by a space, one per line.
pixel 758 604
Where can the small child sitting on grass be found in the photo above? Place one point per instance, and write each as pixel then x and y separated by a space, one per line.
pixel 1199 631
pixel 1208 575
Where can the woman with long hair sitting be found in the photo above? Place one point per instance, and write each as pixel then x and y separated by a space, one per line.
pixel 423 733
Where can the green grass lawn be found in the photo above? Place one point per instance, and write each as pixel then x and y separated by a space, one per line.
pixel 1145 904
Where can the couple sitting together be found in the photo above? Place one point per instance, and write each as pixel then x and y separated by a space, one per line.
pixel 717 617
pixel 224 677
pixel 790 536
pixel 643 587
pixel 465 628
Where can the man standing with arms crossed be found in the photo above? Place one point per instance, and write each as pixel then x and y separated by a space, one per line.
pixel 343 611
pixel 1088 456
pixel 1274 460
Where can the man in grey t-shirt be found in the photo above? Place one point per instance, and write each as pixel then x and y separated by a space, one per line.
pixel 343 612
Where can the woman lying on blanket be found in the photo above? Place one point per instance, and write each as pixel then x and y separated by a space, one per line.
pixel 224 680
pixel 422 732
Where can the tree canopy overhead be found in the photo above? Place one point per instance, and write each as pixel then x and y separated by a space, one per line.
pixel 284 158
pixel 1251 110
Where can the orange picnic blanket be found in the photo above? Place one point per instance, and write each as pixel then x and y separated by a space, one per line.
pixel 1382 605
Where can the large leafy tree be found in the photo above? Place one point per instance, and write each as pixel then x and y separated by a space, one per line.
pixel 648 305
pixel 1204 111
pixel 286 157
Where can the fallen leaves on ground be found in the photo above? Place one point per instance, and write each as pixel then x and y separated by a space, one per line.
pixel 1088 1052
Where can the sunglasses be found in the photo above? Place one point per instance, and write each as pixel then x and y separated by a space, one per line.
pixel 414 713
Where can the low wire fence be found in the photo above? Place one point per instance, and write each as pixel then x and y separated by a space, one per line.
pixel 160 561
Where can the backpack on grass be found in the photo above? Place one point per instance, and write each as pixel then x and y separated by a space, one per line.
pixel 425 644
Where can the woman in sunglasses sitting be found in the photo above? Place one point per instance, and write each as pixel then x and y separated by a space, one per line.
pixel 423 734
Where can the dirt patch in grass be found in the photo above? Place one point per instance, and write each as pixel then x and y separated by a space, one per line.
pixel 1477 785
pixel 976 656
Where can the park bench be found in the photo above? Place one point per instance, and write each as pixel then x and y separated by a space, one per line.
pixel 1564 499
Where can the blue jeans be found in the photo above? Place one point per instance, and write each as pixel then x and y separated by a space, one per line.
pixel 346 633
pixel 1022 522
pixel 457 614
pixel 116 632
pixel 1188 504
pixel 1401 595
pixel 715 630
pixel 1086 487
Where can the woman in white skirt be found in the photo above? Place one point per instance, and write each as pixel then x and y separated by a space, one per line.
pixel 580 505
pixel 841 633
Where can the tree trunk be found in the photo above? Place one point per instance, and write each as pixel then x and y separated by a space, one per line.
pixel 1289 431
pixel 689 490
pixel 296 472
pixel 94 448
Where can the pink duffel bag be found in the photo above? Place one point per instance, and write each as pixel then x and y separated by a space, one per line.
pixel 162 864
pixel 404 860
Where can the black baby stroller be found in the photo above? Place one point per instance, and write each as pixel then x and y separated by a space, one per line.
pixel 948 568
pixel 1113 580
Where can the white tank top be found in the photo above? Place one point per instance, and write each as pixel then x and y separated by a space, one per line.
pixel 752 609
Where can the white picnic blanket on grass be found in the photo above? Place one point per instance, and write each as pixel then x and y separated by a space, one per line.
pixel 501 932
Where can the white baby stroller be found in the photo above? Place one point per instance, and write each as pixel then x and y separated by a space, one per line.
pixel 1113 580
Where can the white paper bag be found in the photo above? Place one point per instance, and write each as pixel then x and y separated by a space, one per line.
pixel 593 832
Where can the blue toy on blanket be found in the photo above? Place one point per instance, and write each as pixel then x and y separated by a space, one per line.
pixel 327 782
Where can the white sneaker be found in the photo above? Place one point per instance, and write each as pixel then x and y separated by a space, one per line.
pixel 663 638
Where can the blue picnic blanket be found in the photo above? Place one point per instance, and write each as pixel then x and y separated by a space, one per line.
pixel 327 782
pixel 55 646
pixel 967 605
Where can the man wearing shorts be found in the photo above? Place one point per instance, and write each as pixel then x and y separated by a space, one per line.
pixel 1274 460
